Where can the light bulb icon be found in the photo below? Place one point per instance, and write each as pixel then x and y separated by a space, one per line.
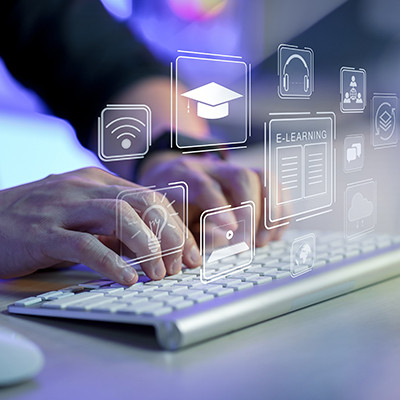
pixel 157 226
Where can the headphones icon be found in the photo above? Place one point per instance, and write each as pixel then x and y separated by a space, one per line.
pixel 286 75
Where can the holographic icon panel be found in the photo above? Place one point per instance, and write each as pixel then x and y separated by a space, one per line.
pixel 360 208
pixel 384 120
pixel 227 240
pixel 300 166
pixel 353 153
pixel 353 90
pixel 217 92
pixel 302 255
pixel 124 132
pixel 158 208
pixel 296 72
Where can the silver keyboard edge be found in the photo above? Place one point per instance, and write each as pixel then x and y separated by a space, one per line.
pixel 278 301
pixel 282 298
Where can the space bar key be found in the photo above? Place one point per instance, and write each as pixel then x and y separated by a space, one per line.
pixel 67 301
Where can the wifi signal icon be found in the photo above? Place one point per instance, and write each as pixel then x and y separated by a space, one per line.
pixel 124 132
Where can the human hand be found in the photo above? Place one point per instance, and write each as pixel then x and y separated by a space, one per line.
pixel 72 217
pixel 212 183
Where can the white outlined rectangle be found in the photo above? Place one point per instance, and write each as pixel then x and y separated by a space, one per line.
pixel 180 192
pixel 295 71
pixel 384 120
pixel 315 169
pixel 213 58
pixel 360 208
pixel 290 173
pixel 117 135
pixel 353 99
pixel 315 136
pixel 212 271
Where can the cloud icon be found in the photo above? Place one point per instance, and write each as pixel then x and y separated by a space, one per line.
pixel 360 208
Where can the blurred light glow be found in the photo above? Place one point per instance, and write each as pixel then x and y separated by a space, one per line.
pixel 120 9
pixel 33 146
pixel 197 10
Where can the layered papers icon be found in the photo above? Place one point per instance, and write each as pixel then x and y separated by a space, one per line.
pixel 212 100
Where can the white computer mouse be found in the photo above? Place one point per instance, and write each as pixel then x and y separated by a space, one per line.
pixel 20 359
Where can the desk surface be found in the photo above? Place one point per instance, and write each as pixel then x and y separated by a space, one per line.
pixel 345 348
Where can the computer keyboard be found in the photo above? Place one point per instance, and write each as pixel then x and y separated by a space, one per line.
pixel 184 310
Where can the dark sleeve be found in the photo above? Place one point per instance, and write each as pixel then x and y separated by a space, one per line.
pixel 73 54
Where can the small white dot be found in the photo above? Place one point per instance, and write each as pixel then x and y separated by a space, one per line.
pixel 126 143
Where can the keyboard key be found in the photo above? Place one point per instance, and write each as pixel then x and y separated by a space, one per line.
pixel 133 300
pixel 152 294
pixel 206 286
pixel 180 278
pixel 274 263
pixel 161 283
pixel 173 289
pixel 384 243
pixel 108 290
pixel 263 250
pixel 278 244
pixel 319 263
pixel 66 301
pixel 140 308
pixel 335 258
pixel 47 295
pixel 243 276
pixel 118 285
pixel 279 274
pixel 277 252
pixel 135 287
pixel 221 291
pixel 125 294
pixel 202 298
pixel 110 307
pixel 89 304
pixel 60 295
pixel 226 281
pixel 262 270
pixel 183 304
pixel 29 301
pixel 396 239
pixel 324 255
pixel 263 258
pixel 157 312
pixel 141 289
pixel 194 271
pixel 261 280
pixel 352 253
pixel 169 299
pixel 96 284
pixel 240 286
pixel 368 248
pixel 190 293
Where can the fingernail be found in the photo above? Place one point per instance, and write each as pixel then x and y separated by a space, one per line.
pixel 194 256
pixel 176 266
pixel 159 270
pixel 128 275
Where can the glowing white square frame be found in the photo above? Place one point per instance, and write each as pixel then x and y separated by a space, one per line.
pixel 237 268
pixel 174 185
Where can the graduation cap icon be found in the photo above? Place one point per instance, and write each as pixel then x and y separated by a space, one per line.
pixel 212 100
